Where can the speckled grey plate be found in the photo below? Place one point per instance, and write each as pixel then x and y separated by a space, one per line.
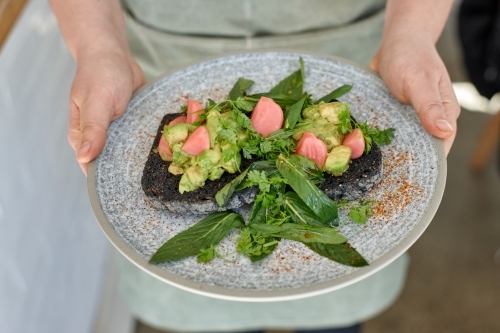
pixel 408 196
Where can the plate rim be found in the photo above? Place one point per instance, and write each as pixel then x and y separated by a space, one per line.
pixel 270 295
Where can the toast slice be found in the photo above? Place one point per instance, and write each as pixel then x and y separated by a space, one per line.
pixel 162 187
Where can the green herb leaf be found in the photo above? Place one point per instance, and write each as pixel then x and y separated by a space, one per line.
pixel 342 253
pixel 244 105
pixel 300 232
pixel 299 212
pixel 373 134
pixel 340 91
pixel 293 115
pixel 312 170
pixel 324 207
pixel 206 233
pixel 281 99
pixel 258 213
pixel 239 88
pixel 207 255
pixel 345 126
pixel 254 245
pixel 291 85
pixel 224 194
pixel 360 214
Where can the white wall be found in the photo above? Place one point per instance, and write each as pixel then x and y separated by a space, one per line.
pixel 53 255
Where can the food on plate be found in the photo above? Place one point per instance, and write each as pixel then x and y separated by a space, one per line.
pixel 282 151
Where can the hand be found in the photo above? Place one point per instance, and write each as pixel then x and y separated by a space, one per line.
pixel 102 88
pixel 414 73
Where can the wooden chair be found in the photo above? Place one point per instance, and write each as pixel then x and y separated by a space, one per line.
pixel 485 147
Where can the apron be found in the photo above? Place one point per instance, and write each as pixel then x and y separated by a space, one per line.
pixel 166 307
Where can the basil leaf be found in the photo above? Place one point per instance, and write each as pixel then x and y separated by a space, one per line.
pixel 281 99
pixel 344 254
pixel 324 207
pixel 312 170
pixel 301 232
pixel 258 213
pixel 204 234
pixel 299 212
pixel 291 85
pixel 224 194
pixel 239 87
pixel 340 91
pixel 294 113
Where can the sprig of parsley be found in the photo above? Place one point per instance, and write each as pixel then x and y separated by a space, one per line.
pixel 361 213
pixel 373 134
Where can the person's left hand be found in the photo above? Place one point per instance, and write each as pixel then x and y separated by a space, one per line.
pixel 414 73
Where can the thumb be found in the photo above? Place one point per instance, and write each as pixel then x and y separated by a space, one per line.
pixel 95 117
pixel 424 95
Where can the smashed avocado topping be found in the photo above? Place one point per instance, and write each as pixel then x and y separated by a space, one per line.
pixel 232 136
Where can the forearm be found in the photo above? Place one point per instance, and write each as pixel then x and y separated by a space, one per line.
pixel 422 19
pixel 91 25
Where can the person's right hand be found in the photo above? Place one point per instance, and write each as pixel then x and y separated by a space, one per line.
pixel 103 85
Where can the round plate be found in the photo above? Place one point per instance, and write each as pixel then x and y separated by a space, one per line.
pixel 414 174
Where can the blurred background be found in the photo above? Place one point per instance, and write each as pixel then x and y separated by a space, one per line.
pixel 55 263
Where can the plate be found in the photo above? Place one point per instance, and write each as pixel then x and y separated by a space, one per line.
pixel 414 174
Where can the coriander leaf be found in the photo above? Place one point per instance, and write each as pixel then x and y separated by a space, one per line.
pixel 255 246
pixel 344 253
pixel 360 214
pixel 293 115
pixel 345 119
pixel 324 207
pixel 224 194
pixel 207 254
pixel 382 137
pixel 300 232
pixel 239 88
pixel 209 231
pixel 299 212
pixel 340 91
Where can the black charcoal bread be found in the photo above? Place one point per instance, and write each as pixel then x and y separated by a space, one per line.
pixel 162 187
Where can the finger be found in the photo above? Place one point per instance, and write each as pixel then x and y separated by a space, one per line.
pixel 451 108
pixel 84 167
pixel 424 94
pixel 95 117
pixel 74 135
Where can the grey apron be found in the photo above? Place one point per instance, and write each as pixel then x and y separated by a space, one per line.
pixel 159 46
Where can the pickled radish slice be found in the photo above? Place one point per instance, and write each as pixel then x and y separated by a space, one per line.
pixel 181 119
pixel 194 110
pixel 164 150
pixel 267 116
pixel 312 147
pixel 356 141
pixel 197 142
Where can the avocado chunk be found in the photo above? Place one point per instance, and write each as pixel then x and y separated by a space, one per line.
pixel 231 164
pixel 185 184
pixel 209 158
pixel 311 112
pixel 175 134
pixel 331 111
pixel 213 125
pixel 216 173
pixel 178 156
pixel 197 175
pixel 337 160
pixel 175 169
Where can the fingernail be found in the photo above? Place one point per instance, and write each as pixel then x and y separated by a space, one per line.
pixel 84 150
pixel 444 126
